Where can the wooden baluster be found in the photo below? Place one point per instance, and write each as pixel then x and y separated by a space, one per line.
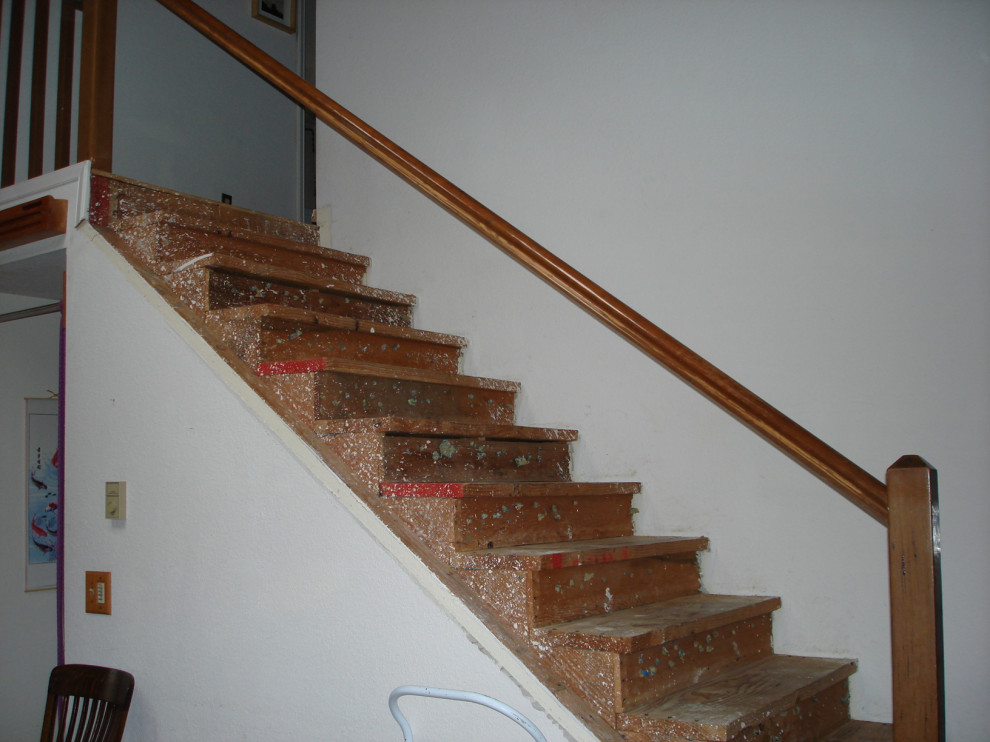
pixel 63 104
pixel 39 77
pixel 915 601
pixel 96 76
pixel 12 100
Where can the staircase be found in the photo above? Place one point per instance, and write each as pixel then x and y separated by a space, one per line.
pixel 616 622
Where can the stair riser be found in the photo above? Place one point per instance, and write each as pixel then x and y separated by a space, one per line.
pixel 125 199
pixel 481 523
pixel 809 719
pixel 650 675
pixel 573 592
pixel 176 242
pixel 418 459
pixel 232 290
pixel 256 344
pixel 341 395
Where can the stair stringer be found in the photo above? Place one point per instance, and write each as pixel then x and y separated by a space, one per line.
pixel 437 579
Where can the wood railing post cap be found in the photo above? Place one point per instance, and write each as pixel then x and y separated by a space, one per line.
pixel 911 461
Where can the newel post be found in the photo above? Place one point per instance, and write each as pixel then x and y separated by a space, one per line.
pixel 915 601
pixel 96 78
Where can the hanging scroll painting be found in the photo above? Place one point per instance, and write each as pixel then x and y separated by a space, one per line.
pixel 42 493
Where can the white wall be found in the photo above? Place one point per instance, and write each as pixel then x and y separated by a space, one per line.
pixel 246 600
pixel 796 190
pixel 188 116
pixel 28 368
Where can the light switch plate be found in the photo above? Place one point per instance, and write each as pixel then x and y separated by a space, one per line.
pixel 116 500
pixel 98 592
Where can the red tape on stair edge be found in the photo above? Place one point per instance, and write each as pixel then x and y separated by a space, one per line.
pixel 274 368
pixel 421 489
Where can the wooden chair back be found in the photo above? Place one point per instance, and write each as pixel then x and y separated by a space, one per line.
pixel 86 704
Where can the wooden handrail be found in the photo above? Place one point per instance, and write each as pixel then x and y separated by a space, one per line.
pixel 850 480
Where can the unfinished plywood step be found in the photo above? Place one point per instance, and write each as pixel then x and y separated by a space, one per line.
pixel 790 698
pixel 653 625
pixel 440 459
pixel 569 554
pixel 274 332
pixel 493 522
pixel 507 489
pixel 556 582
pixel 862 731
pixel 114 198
pixel 329 388
pixel 643 654
pixel 162 239
pixel 569 593
pixel 211 282
pixel 363 442
pixel 443 428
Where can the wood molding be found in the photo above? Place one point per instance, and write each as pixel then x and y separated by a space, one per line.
pixel 31 221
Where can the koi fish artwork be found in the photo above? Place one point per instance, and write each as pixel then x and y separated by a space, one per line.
pixel 45 536
pixel 42 490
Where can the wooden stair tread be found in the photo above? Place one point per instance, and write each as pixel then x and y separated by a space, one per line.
pixel 381 370
pixel 391 425
pixel 720 709
pixel 462 490
pixel 116 198
pixel 576 553
pixel 862 731
pixel 638 628
pixel 212 227
pixel 279 315
pixel 265 272
pixel 219 257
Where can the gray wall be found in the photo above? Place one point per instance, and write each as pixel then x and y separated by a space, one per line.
pixel 189 117
pixel 796 190
pixel 28 368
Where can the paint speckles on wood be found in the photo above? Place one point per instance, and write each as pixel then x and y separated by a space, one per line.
pixel 489 522
pixel 572 592
pixel 612 622
pixel 343 395
pixel 429 459
pixel 650 675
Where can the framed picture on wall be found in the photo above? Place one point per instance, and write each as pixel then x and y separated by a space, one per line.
pixel 41 493
pixel 278 13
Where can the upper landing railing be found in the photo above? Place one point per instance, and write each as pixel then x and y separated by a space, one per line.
pixel 907 503
pixel 91 98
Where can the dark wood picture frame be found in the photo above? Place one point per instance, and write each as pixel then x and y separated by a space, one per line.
pixel 278 13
